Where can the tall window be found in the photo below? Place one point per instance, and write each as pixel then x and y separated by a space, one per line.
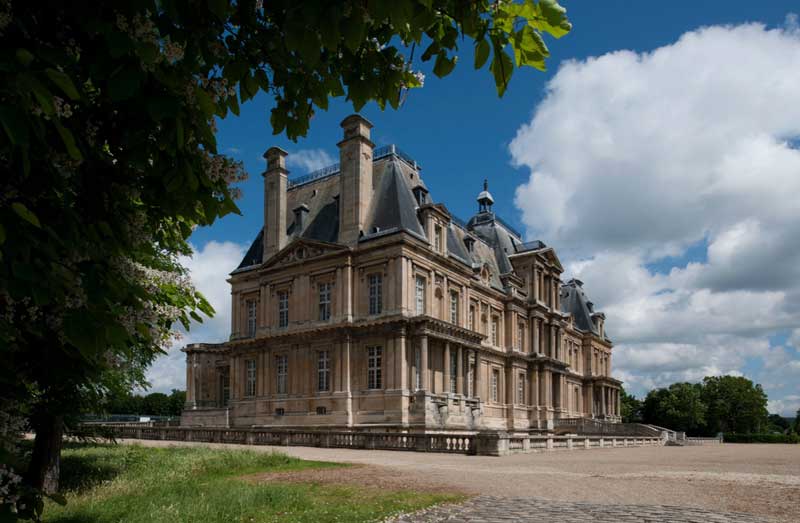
pixel 225 387
pixel 282 368
pixel 252 310
pixel 521 388
pixel 520 336
pixel 472 317
pixel 494 331
pixel 454 308
pixel 495 384
pixel 375 293
pixel 453 370
pixel 437 238
pixel 374 377
pixel 283 309
pixel 250 379
pixel 419 294
pixel 323 371
pixel 324 301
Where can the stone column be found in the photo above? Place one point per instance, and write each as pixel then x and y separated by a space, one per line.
pixel 401 362
pixel 460 371
pixel 191 398
pixel 533 388
pixel 552 349
pixel 446 368
pixel 478 376
pixel 424 371
pixel 537 349
pixel 603 400
pixel 619 403
pixel 346 379
pixel 510 396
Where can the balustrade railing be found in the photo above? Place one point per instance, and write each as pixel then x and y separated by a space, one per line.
pixel 490 443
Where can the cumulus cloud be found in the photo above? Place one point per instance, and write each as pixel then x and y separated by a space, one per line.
pixel 636 157
pixel 309 159
pixel 209 268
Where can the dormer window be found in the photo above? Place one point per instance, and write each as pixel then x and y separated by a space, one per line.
pixel 421 195
pixel 438 238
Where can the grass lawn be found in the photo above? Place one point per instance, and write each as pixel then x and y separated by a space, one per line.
pixel 122 483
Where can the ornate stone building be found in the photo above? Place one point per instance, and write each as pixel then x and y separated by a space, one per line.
pixel 364 305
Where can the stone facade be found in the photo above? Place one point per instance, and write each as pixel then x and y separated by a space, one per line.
pixel 363 305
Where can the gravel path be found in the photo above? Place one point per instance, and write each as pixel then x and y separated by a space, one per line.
pixel 762 480
pixel 488 509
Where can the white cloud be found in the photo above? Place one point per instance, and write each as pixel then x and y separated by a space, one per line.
pixel 309 159
pixel 209 268
pixel 637 157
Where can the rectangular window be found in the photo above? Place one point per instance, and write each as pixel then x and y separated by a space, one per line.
pixel 437 238
pixel 419 294
pixel 283 309
pixel 495 384
pixel 453 370
pixel 374 377
pixel 324 301
pixel 282 368
pixel 322 410
pixel 520 336
pixel 521 388
pixel 494 331
pixel 323 371
pixel 250 379
pixel 472 317
pixel 252 310
pixel 225 388
pixel 454 308
pixel 280 411
pixel 375 293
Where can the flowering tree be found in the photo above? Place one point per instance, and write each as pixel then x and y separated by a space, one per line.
pixel 109 157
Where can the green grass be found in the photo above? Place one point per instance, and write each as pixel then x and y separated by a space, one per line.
pixel 132 484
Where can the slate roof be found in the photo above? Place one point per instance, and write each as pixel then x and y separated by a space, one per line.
pixel 394 208
pixel 575 302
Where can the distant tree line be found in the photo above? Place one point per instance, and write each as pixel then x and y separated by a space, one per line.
pixel 728 404
pixel 153 404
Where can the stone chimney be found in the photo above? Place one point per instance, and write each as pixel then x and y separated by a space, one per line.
pixel 275 182
pixel 355 181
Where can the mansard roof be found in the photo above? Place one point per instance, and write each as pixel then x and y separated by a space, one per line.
pixel 575 302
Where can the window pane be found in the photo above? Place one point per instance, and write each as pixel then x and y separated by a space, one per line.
pixel 375 293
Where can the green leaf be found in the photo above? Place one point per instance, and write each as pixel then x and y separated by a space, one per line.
pixel 179 136
pixel 69 142
pixel 482 49
pixel 24 213
pixel 353 31
pixel 15 124
pixel 554 18
pixel 205 102
pixel 64 82
pixel 24 57
pixel 443 65
pixel 219 8
pixel 502 68
pixel 233 103
pixel 124 83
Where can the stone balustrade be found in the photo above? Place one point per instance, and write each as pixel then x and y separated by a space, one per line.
pixel 480 443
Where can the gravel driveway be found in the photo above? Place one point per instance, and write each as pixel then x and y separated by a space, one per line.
pixel 762 480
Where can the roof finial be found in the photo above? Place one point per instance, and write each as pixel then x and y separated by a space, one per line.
pixel 485 199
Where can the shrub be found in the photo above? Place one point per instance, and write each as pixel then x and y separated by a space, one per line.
pixel 732 437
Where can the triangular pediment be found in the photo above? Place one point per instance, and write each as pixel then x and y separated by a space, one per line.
pixel 550 254
pixel 301 250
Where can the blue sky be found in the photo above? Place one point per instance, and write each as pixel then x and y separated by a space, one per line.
pixel 589 157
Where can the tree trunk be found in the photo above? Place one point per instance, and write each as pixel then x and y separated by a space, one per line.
pixel 45 466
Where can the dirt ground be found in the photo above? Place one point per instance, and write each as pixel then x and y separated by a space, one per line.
pixel 757 479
